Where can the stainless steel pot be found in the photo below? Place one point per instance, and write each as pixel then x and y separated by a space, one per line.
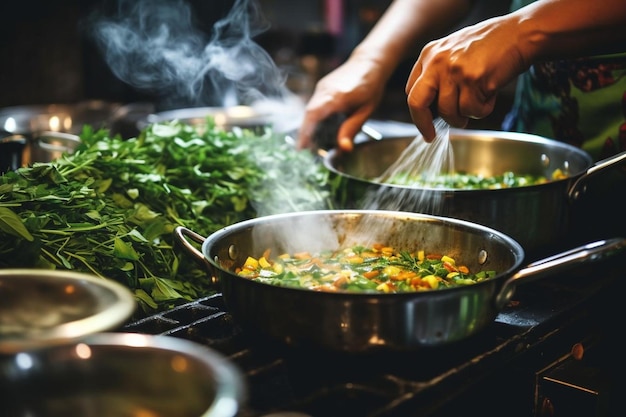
pixel 68 118
pixel 18 151
pixel 539 217
pixel 40 307
pixel 351 322
pixel 226 118
pixel 121 374
pixel 282 117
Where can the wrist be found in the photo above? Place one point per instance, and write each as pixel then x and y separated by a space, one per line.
pixel 373 62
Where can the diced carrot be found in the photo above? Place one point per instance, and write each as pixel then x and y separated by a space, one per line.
pixel 403 275
pixel 387 251
pixel 450 267
pixel 371 274
pixel 415 281
pixel 317 261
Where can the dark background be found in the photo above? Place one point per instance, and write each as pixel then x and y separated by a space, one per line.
pixel 47 56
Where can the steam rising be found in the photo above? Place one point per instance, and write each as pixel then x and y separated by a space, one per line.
pixel 155 45
pixel 418 160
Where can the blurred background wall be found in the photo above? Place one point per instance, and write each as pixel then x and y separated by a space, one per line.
pixel 47 58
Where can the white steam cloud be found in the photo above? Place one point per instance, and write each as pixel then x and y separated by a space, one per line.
pixel 155 45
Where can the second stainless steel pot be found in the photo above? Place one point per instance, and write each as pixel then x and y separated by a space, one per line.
pixel 539 216
pixel 17 151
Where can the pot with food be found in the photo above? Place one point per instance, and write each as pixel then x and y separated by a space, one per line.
pixel 526 186
pixel 369 280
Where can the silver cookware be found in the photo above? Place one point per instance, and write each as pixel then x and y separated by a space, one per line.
pixel 359 322
pixel 540 217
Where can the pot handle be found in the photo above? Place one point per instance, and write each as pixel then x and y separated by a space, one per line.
pixel 182 233
pixel 580 185
pixel 594 251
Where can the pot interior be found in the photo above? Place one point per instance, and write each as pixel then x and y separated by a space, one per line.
pixel 486 153
pixel 476 246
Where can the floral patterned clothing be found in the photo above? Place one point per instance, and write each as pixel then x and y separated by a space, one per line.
pixel 581 102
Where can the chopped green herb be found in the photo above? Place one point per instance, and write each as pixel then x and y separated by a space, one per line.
pixel 110 207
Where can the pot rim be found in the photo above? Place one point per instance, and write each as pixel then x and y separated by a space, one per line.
pixel 330 156
pixel 517 251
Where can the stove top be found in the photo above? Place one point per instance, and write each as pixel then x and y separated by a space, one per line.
pixel 484 373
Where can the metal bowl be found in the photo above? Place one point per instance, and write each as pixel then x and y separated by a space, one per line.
pixel 49 307
pixel 120 375
pixel 540 217
pixel 68 118
pixel 225 118
pixel 18 151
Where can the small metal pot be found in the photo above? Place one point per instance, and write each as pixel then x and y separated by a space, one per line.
pixel 226 118
pixel 18 151
pixel 121 374
pixel 40 307
pixel 540 217
pixel 357 322
pixel 68 118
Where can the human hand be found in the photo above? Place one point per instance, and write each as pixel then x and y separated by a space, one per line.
pixel 460 74
pixel 353 89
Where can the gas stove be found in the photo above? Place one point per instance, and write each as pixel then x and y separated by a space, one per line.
pixel 513 367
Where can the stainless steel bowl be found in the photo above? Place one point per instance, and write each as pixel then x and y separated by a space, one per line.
pixel 68 118
pixel 49 307
pixel 225 118
pixel 120 375
pixel 18 151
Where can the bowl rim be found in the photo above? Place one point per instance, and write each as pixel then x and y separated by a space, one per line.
pixel 108 318
pixel 226 378
pixel 230 391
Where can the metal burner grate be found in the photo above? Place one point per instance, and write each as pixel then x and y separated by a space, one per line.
pixel 546 319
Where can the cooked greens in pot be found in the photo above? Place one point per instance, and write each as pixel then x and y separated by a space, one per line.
pixel 467 181
pixel 377 269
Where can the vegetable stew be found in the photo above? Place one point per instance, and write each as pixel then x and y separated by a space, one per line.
pixel 379 269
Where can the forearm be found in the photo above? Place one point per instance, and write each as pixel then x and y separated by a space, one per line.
pixel 554 29
pixel 404 27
